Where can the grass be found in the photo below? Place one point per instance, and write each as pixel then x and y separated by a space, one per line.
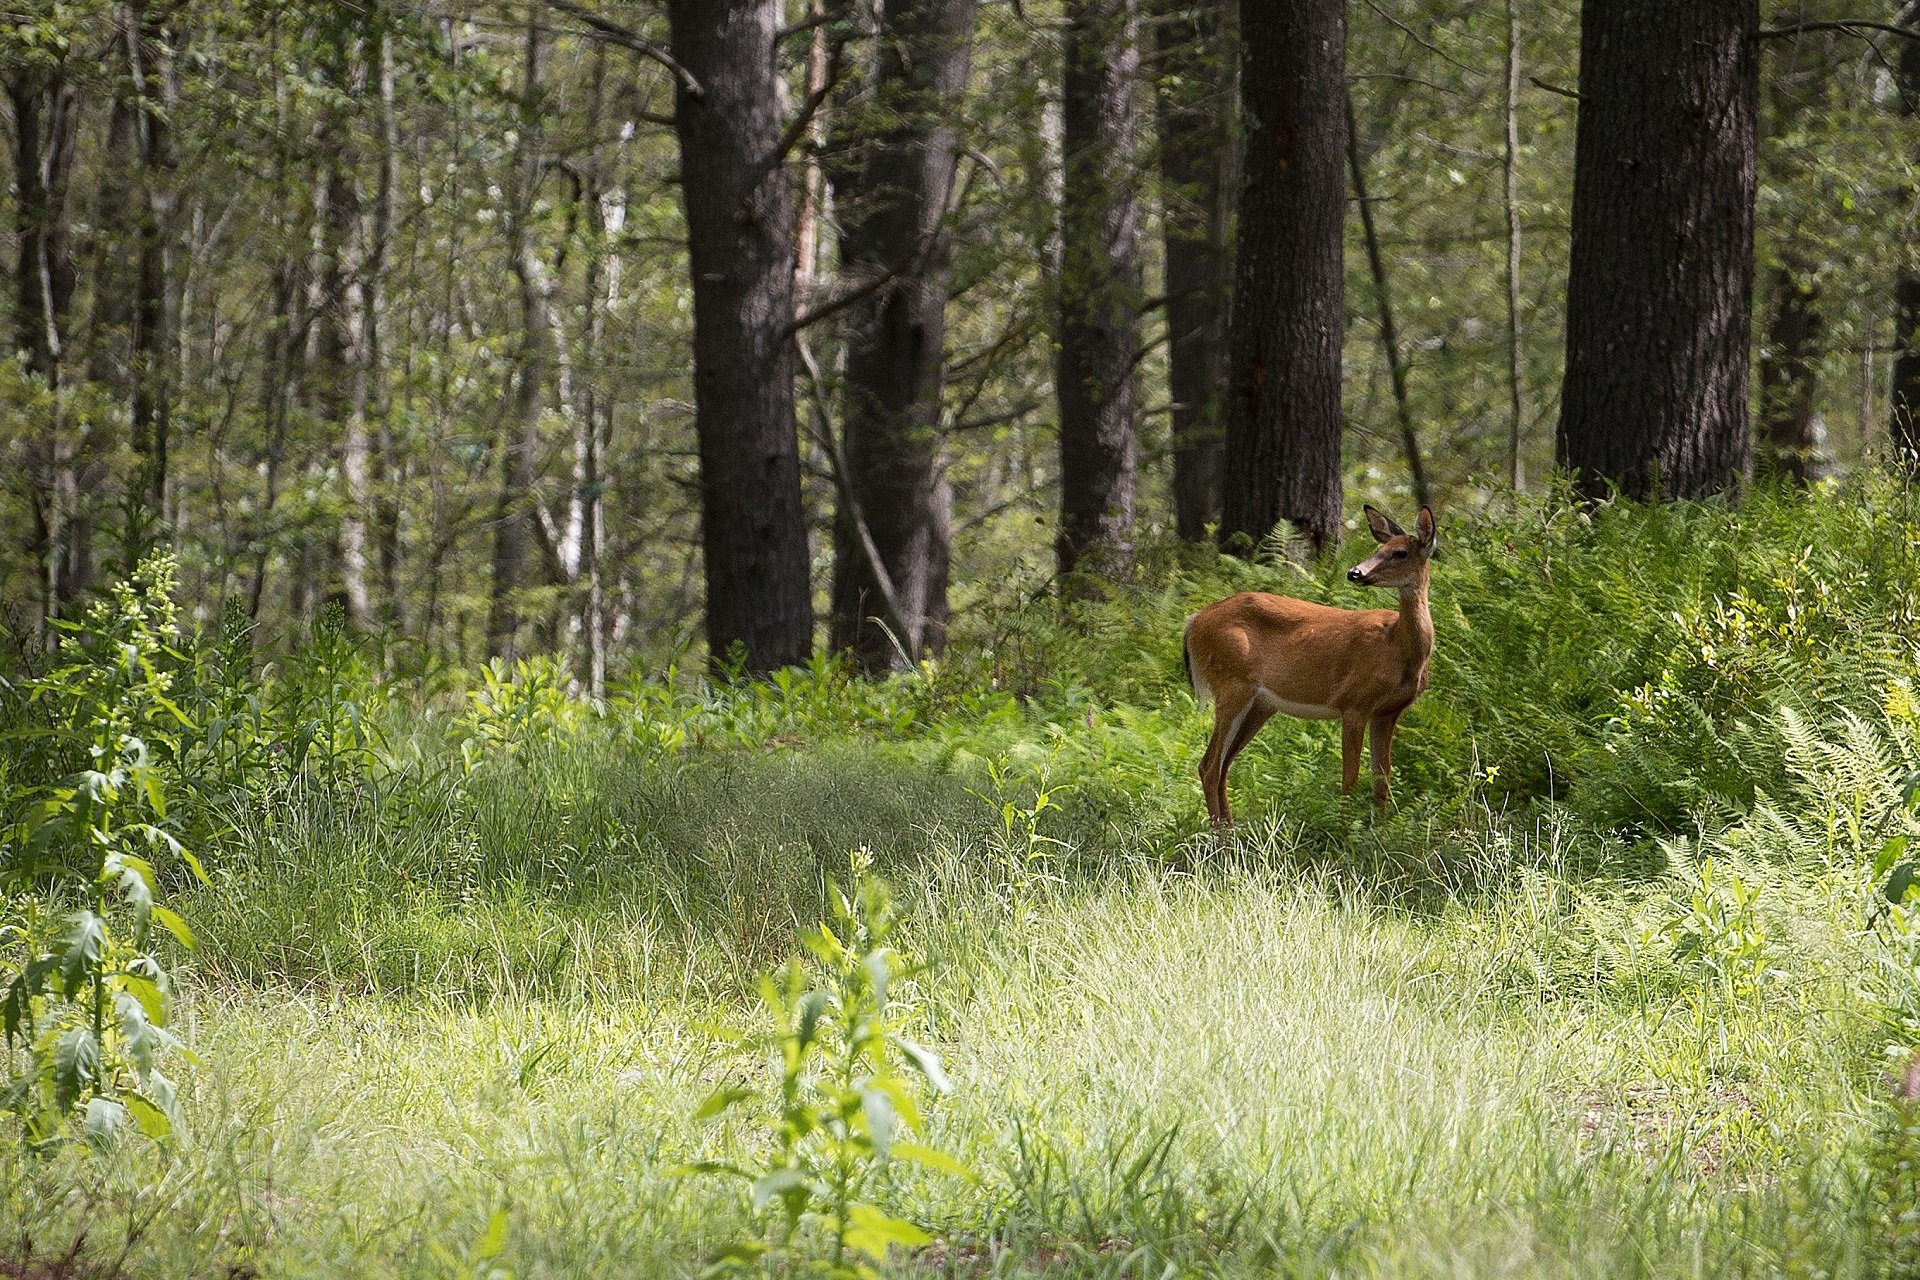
pixel 1620 1013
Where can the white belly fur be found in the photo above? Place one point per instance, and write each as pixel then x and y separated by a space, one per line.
pixel 1304 710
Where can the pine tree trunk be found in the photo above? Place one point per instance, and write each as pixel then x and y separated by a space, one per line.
pixel 1660 284
pixel 1099 287
pixel 1904 394
pixel 1283 402
pixel 893 209
pixel 1196 171
pixel 738 201
pixel 152 340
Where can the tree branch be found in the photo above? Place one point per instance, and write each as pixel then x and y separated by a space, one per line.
pixel 1852 26
pixel 614 33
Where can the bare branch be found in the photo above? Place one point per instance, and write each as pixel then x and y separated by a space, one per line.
pixel 614 33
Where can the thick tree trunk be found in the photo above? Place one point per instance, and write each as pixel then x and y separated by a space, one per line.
pixel 1099 287
pixel 1660 285
pixel 893 212
pixel 738 201
pixel 1795 443
pixel 1283 402
pixel 1904 394
pixel 1196 172
pixel 514 515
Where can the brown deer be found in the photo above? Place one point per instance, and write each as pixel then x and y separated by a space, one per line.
pixel 1255 654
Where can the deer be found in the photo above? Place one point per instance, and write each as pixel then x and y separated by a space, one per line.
pixel 1256 655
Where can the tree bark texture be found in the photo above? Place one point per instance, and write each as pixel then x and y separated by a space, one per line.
pixel 1904 394
pixel 1791 429
pixel 1195 85
pixel 893 220
pixel 736 192
pixel 514 516
pixel 1099 288
pixel 1660 284
pixel 1283 401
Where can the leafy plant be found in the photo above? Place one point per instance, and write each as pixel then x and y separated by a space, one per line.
pixel 843 1103
pixel 516 707
pixel 87 993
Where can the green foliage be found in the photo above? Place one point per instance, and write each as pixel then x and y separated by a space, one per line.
pixel 844 1106
pixel 87 991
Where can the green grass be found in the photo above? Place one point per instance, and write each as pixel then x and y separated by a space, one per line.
pixel 1623 1014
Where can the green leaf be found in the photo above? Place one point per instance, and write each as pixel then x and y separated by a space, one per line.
pixel 930 1158
pixel 1900 881
pixel 105 1120
pixel 927 1062
pixel 881 1118
pixel 1889 854
pixel 495 1238
pixel 170 921
pixel 152 1121
pixel 719 1100
pixel 778 1185
pixel 871 1231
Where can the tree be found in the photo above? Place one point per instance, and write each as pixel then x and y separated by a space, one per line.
pixel 1099 286
pixel 1197 164
pixel 1283 402
pixel 736 192
pixel 1904 396
pixel 891 530
pixel 1660 280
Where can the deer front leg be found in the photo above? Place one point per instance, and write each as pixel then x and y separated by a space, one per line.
pixel 1380 738
pixel 1350 732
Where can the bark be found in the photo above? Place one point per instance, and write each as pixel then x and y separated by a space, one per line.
pixel 1197 164
pixel 46 111
pixel 1660 282
pixel 893 211
pixel 1283 403
pixel 1904 393
pixel 738 200
pixel 1794 440
pixel 1510 200
pixel 1099 289
pixel 151 364
pixel 514 515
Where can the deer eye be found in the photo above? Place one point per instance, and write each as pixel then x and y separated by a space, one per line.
pixel 1400 554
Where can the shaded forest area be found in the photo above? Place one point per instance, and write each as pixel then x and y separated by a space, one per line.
pixel 551 325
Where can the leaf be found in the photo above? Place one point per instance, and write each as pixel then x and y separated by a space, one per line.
pixel 719 1100
pixel 170 921
pixel 931 1158
pixel 881 1118
pixel 778 1185
pixel 81 951
pixel 105 1120
pixel 495 1238
pixel 1889 854
pixel 927 1062
pixel 150 1119
pixel 1900 881
pixel 871 1231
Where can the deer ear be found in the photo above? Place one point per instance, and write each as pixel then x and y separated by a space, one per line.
pixel 1381 524
pixel 1425 530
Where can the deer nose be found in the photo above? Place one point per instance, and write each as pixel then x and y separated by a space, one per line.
pixel 1354 575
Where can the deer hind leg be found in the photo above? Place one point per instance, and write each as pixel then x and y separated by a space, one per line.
pixel 1380 739
pixel 1231 731
pixel 1351 731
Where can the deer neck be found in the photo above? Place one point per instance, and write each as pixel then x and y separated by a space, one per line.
pixel 1414 630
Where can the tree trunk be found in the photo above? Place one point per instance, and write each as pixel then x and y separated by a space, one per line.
pixel 893 214
pixel 151 364
pixel 1099 287
pixel 1283 403
pixel 1196 171
pixel 1660 283
pixel 1904 395
pixel 1795 441
pixel 45 118
pixel 514 516
pixel 736 191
